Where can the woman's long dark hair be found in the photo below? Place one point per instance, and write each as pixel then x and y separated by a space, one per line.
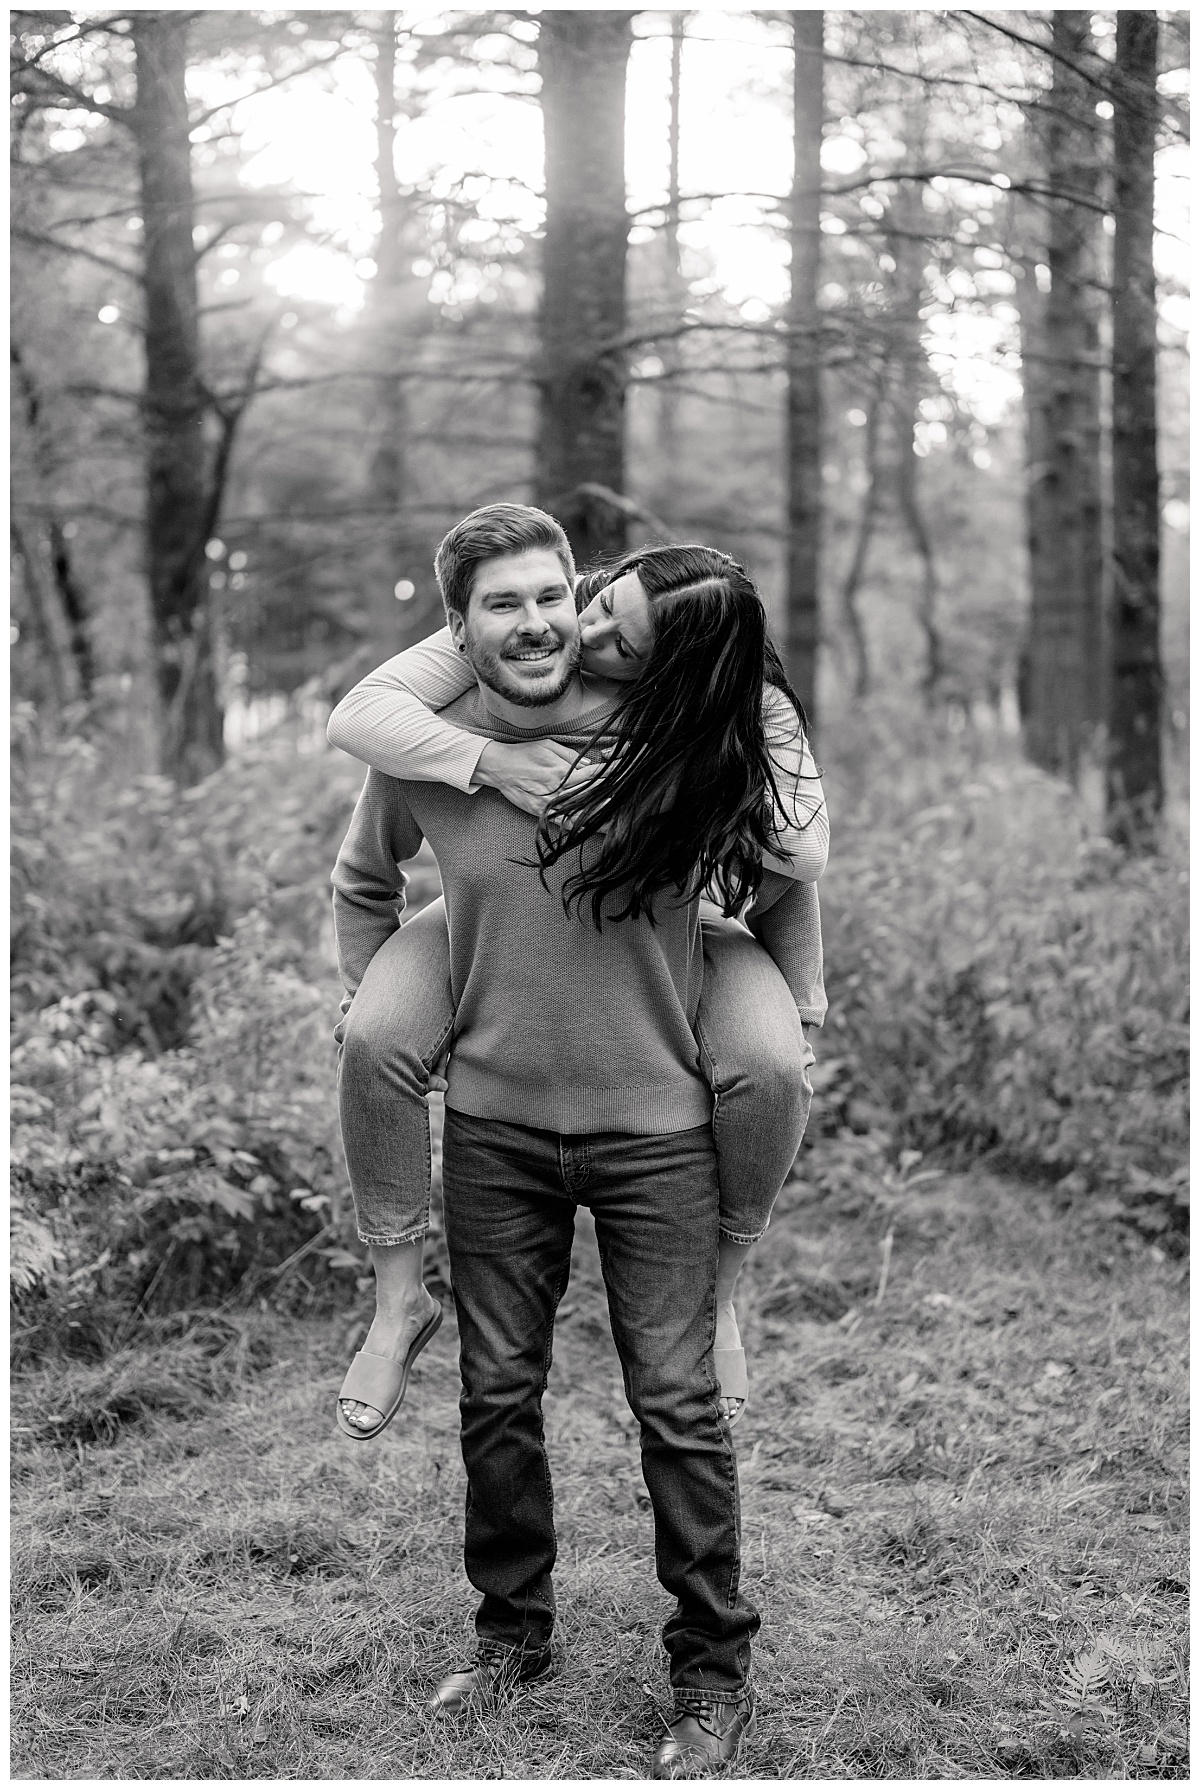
pixel 687 798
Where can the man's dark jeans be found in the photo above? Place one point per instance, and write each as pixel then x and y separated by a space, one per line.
pixel 510 1199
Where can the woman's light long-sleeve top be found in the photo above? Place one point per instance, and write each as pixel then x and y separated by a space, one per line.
pixel 389 721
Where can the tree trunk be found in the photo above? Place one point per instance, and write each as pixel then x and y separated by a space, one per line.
pixel 905 414
pixel 1134 780
pixel 76 608
pixel 1035 385
pixel 802 614
pixel 71 594
pixel 191 721
pixel 51 650
pixel 1064 653
pixel 386 478
pixel 581 433
pixel 908 252
pixel 675 291
pixel 868 517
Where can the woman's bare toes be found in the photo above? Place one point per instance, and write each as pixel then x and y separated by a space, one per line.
pixel 361 1416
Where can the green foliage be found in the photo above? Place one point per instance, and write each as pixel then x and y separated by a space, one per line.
pixel 1001 980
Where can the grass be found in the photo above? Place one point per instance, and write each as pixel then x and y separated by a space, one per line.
pixel 963 1515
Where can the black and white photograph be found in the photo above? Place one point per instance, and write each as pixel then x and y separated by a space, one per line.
pixel 599 784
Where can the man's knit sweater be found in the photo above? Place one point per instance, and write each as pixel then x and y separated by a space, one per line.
pixel 558 1025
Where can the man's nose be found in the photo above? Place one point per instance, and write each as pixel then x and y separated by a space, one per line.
pixel 532 620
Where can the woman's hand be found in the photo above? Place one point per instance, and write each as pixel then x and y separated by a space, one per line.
pixel 528 775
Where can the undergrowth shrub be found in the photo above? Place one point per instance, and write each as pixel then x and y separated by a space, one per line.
pixel 1002 981
pixel 119 890
pixel 156 1181
pixel 173 1070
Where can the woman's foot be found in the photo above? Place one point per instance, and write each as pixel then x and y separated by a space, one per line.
pixel 391 1335
pixel 729 1337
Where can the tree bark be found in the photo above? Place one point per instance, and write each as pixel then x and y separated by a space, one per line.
pixel 191 721
pixel 52 651
pixel 1134 767
pixel 76 608
pixel 1035 387
pixel 905 414
pixel 803 474
pixel 71 594
pixel 908 252
pixel 674 288
pixel 387 474
pixel 581 432
pixel 1063 680
pixel 868 516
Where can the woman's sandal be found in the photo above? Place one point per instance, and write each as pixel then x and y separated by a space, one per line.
pixel 374 1380
pixel 729 1366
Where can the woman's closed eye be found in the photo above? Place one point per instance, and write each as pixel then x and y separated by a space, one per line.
pixel 606 605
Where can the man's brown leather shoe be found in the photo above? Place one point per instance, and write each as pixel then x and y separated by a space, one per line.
pixel 496 1672
pixel 702 1735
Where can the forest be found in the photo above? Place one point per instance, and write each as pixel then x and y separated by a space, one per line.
pixel 891 306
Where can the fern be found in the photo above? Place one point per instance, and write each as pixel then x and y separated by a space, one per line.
pixel 32 1249
pixel 1086 1677
pixel 1142 1654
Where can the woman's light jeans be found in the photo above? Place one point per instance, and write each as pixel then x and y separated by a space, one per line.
pixel 752 1050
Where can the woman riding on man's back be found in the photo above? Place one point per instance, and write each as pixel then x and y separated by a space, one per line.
pixel 697 781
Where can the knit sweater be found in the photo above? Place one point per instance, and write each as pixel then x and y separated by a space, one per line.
pixel 558 1025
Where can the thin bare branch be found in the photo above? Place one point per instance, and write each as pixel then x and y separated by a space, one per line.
pixel 268 86
pixel 59 95
pixel 1100 84
pixel 71 248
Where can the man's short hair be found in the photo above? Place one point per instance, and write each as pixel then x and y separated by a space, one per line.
pixel 491 533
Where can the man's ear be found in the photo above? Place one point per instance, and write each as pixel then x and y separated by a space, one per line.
pixel 458 629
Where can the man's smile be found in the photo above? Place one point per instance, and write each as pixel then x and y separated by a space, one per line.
pixel 533 654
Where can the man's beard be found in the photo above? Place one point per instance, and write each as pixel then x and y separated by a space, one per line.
pixel 492 670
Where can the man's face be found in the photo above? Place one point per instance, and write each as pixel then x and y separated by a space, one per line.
pixel 521 632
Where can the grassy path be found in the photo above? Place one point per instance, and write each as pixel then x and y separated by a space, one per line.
pixel 962 1523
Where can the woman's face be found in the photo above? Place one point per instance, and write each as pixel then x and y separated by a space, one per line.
pixel 616 630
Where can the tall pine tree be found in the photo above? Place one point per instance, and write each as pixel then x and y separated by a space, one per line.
pixel 1135 778
pixel 581 433
pixel 803 474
